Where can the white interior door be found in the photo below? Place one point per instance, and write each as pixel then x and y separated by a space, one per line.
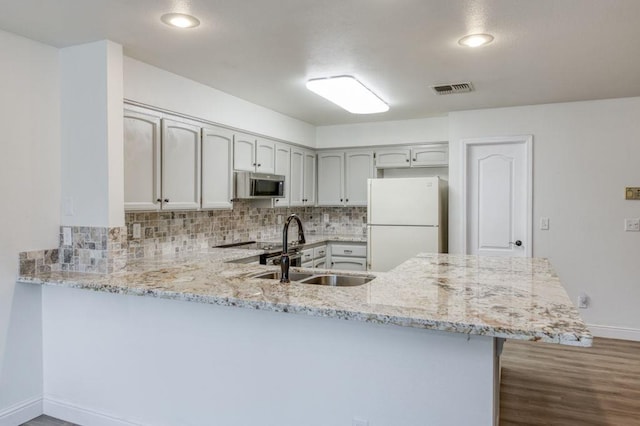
pixel 498 196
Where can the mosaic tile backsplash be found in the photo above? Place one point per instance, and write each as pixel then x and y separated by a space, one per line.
pixel 174 232
pixel 102 250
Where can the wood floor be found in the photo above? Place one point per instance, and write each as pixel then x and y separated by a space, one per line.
pixel 544 384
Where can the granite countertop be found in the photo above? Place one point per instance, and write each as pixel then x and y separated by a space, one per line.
pixel 513 298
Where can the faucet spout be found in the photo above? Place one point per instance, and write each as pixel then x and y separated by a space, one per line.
pixel 284 259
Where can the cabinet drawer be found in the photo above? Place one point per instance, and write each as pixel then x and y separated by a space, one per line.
pixel 349 263
pixel 307 255
pixel 349 250
pixel 320 263
pixel 308 264
pixel 319 252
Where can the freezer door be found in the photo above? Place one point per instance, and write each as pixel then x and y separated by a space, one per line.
pixel 389 246
pixel 406 201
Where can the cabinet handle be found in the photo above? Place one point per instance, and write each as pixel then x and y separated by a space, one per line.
pixel 159 200
pixel 166 200
pixel 277 200
pixel 348 251
pixel 415 159
pixel 259 164
pixel 340 199
pixel 407 160
pixel 253 164
pixel 347 200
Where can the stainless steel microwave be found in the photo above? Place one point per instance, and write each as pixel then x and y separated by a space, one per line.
pixel 251 185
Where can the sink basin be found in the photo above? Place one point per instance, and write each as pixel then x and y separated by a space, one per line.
pixel 275 275
pixel 337 280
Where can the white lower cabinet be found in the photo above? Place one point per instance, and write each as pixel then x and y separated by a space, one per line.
pixel 320 263
pixel 350 256
pixel 349 263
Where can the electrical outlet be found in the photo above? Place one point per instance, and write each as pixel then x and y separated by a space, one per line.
pixel 360 422
pixel 632 225
pixel 136 230
pixel 583 301
pixel 325 217
pixel 66 236
pixel 544 223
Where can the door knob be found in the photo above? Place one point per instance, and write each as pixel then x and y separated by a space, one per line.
pixel 517 243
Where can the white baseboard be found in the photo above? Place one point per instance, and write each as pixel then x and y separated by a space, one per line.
pixel 615 332
pixel 81 415
pixel 21 412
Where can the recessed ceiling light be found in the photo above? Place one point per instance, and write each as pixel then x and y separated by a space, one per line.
pixel 348 93
pixel 476 40
pixel 180 20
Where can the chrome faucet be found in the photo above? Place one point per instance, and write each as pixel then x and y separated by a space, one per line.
pixel 284 259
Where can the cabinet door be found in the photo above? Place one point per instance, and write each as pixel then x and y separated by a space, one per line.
pixel 436 155
pixel 296 188
pixel 180 165
pixel 331 178
pixel 141 161
pixel 349 263
pixel 359 168
pixel 265 156
pixel 393 158
pixel 244 153
pixel 217 176
pixel 283 167
pixel 309 180
pixel 320 263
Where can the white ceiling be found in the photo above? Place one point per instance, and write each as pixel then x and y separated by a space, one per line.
pixel 265 50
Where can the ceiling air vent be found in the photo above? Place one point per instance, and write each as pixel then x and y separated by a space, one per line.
pixel 448 89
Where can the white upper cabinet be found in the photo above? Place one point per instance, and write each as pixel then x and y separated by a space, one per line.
pixel 393 158
pixel 309 178
pixel 358 169
pixel 217 176
pixel 283 167
pixel 253 155
pixel 331 178
pixel 180 165
pixel 342 177
pixel 432 155
pixel 244 152
pixel 141 161
pixel 436 155
pixel 265 156
pixel 303 177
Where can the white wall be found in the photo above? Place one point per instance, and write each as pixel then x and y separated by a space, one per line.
pixel 585 153
pixel 30 193
pixel 154 86
pixel 124 360
pixel 92 132
pixel 421 130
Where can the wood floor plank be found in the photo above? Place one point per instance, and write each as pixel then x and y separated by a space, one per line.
pixel 544 384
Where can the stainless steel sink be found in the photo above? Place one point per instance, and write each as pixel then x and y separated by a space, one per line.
pixel 276 275
pixel 324 279
pixel 337 280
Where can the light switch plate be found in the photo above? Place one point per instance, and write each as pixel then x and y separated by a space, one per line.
pixel 632 225
pixel 325 217
pixel 136 230
pixel 544 223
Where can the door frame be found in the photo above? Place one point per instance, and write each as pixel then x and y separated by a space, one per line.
pixel 527 140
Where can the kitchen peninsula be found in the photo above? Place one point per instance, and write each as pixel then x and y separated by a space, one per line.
pixel 421 344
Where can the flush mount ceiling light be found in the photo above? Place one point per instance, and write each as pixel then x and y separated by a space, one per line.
pixel 180 20
pixel 476 40
pixel 347 92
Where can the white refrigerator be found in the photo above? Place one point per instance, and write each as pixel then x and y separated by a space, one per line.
pixel 405 216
